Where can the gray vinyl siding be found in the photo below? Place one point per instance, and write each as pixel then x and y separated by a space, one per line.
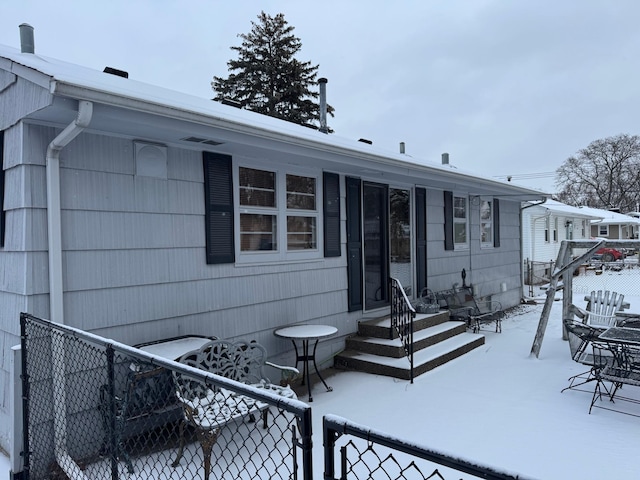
pixel 19 97
pixel 486 268
pixel 134 256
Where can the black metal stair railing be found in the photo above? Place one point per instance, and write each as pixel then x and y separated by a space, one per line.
pixel 402 315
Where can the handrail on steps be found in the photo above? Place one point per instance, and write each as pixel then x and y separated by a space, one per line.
pixel 402 315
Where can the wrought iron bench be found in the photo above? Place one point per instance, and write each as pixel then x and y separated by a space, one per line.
pixel 141 399
pixel 147 402
pixel 206 408
pixel 464 306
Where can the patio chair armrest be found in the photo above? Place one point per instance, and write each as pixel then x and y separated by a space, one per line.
pixel 581 313
pixel 287 374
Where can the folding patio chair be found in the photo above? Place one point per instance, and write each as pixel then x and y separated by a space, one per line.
pixel 585 350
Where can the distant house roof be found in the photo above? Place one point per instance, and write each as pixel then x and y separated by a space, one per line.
pixel 610 218
pixel 563 209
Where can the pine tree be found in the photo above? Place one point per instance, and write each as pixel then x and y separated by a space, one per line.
pixel 267 78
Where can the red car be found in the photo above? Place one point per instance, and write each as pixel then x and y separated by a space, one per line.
pixel 609 254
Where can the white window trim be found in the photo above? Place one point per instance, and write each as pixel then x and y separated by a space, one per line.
pixel 556 234
pixel 281 213
pixel 489 244
pixel 547 230
pixel 600 234
pixel 460 245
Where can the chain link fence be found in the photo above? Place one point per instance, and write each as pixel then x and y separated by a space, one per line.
pixel 366 454
pixel 96 409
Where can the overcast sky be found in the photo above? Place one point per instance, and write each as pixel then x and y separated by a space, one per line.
pixel 505 87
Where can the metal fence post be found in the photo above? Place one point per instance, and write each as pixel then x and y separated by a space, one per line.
pixel 329 437
pixel 113 446
pixel 25 395
pixel 307 445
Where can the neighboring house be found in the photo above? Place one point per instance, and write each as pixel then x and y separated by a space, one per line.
pixel 613 225
pixel 545 225
pixel 139 213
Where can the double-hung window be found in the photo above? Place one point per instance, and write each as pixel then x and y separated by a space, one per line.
pixel 278 214
pixel 456 221
pixel 547 221
pixel 460 222
pixel 603 230
pixel 259 210
pixel 302 222
pixel 486 223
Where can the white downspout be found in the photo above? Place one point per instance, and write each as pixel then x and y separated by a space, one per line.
pixel 85 112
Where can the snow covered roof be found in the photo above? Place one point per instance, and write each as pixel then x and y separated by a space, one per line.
pixel 77 82
pixel 568 210
pixel 610 218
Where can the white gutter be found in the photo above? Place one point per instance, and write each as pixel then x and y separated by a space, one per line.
pixel 304 140
pixel 85 112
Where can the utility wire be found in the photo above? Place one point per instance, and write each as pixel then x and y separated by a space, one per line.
pixel 526 176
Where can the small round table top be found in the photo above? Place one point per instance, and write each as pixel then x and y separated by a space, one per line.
pixel 306 331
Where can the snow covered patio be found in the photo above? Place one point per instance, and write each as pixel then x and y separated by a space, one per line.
pixel 497 405
pixel 501 406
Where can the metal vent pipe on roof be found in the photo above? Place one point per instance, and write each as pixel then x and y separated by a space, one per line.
pixel 445 159
pixel 323 104
pixel 27 44
pixel 401 147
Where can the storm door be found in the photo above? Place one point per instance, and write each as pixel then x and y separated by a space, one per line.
pixel 375 219
pixel 400 238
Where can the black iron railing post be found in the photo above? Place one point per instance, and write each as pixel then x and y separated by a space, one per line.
pixel 402 316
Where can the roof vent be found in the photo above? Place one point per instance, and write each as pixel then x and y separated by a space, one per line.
pixel 201 140
pixel 364 140
pixel 116 72
pixel 401 147
pixel 445 159
pixel 27 44
pixel 231 103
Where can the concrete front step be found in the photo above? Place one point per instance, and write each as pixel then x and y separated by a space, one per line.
pixel 393 348
pixel 424 360
pixel 381 327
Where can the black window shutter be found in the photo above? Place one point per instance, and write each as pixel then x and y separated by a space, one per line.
pixel 354 243
pixel 448 220
pixel 331 198
pixel 496 222
pixel 421 239
pixel 218 194
pixel 2 215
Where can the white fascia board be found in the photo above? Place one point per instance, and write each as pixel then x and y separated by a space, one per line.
pixel 325 144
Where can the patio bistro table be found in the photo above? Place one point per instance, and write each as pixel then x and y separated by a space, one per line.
pixel 618 338
pixel 305 333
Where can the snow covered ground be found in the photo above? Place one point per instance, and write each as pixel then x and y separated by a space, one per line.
pixel 498 405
